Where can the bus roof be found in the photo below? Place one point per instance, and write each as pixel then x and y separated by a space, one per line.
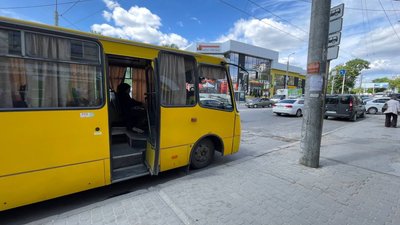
pixel 30 24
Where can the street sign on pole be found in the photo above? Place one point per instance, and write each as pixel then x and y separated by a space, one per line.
pixel 337 12
pixel 334 39
pixel 333 53
pixel 335 25
pixel 343 73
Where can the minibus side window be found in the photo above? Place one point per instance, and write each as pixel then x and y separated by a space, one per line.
pixel 48 72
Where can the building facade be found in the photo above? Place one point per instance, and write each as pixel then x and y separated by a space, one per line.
pixel 263 75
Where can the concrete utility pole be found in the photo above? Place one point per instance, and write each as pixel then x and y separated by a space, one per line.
pixel 311 131
pixel 56 15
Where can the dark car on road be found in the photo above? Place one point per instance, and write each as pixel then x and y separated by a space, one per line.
pixel 259 102
pixel 344 106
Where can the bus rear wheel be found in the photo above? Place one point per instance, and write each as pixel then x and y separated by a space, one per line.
pixel 202 154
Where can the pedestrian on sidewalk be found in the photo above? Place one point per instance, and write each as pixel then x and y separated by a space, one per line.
pixel 393 108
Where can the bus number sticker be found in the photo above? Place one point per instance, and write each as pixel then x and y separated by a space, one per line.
pixel 87 115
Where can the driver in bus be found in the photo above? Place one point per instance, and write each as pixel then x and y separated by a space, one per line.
pixel 132 111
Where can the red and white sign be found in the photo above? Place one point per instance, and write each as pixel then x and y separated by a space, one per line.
pixel 313 68
pixel 208 48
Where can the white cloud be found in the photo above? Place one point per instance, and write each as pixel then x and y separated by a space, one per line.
pixel 266 33
pixel 111 4
pixel 196 19
pixel 137 23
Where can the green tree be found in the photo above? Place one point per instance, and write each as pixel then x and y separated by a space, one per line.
pixel 171 46
pixel 395 83
pixel 353 70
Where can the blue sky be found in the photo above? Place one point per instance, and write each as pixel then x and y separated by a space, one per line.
pixel 371 28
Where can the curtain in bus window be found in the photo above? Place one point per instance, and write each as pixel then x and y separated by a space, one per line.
pixel 3 42
pixel 6 100
pixel 172 78
pixel 138 84
pixel 83 79
pixel 117 74
pixel 12 74
pixel 64 71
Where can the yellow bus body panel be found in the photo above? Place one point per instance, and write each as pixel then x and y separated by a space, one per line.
pixel 237 134
pixel 26 188
pixel 61 149
pixel 48 139
pixel 182 127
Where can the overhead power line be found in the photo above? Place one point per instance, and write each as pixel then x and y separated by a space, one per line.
pixel 394 30
pixel 277 16
pixel 234 7
pixel 43 5
pixel 76 2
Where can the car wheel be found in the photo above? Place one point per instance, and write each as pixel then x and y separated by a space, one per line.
pixel 269 105
pixel 362 115
pixel 372 110
pixel 255 106
pixel 326 117
pixel 278 114
pixel 354 118
pixel 202 154
pixel 298 113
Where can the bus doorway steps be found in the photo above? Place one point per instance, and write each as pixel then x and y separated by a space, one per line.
pixel 128 157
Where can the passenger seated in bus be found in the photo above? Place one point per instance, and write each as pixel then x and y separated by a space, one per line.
pixel 132 111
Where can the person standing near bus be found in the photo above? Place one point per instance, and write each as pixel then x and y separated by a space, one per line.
pixel 393 108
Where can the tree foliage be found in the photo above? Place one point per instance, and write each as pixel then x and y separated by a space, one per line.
pixel 171 46
pixel 353 70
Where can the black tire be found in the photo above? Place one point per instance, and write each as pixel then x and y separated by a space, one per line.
pixel 299 113
pixel 202 154
pixel 278 114
pixel 326 117
pixel 362 115
pixel 372 110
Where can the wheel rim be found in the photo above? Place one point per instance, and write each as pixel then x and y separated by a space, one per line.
pixel 201 153
pixel 372 110
pixel 298 113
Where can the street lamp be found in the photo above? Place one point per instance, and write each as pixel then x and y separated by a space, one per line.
pixel 287 69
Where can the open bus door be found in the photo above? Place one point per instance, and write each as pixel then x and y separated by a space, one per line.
pixel 153 118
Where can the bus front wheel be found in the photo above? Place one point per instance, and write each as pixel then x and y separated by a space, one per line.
pixel 202 154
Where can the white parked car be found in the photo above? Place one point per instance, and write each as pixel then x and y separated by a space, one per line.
pixel 289 107
pixel 374 106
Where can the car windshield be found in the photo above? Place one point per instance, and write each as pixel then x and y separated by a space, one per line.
pixel 287 101
pixel 277 96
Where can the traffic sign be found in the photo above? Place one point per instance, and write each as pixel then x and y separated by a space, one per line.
pixel 342 72
pixel 334 39
pixel 333 53
pixel 337 12
pixel 335 25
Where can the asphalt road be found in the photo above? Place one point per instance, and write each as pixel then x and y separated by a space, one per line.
pixel 260 128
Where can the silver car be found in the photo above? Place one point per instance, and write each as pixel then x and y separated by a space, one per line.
pixel 289 107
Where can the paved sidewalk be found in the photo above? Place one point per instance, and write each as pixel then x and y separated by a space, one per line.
pixel 358 183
